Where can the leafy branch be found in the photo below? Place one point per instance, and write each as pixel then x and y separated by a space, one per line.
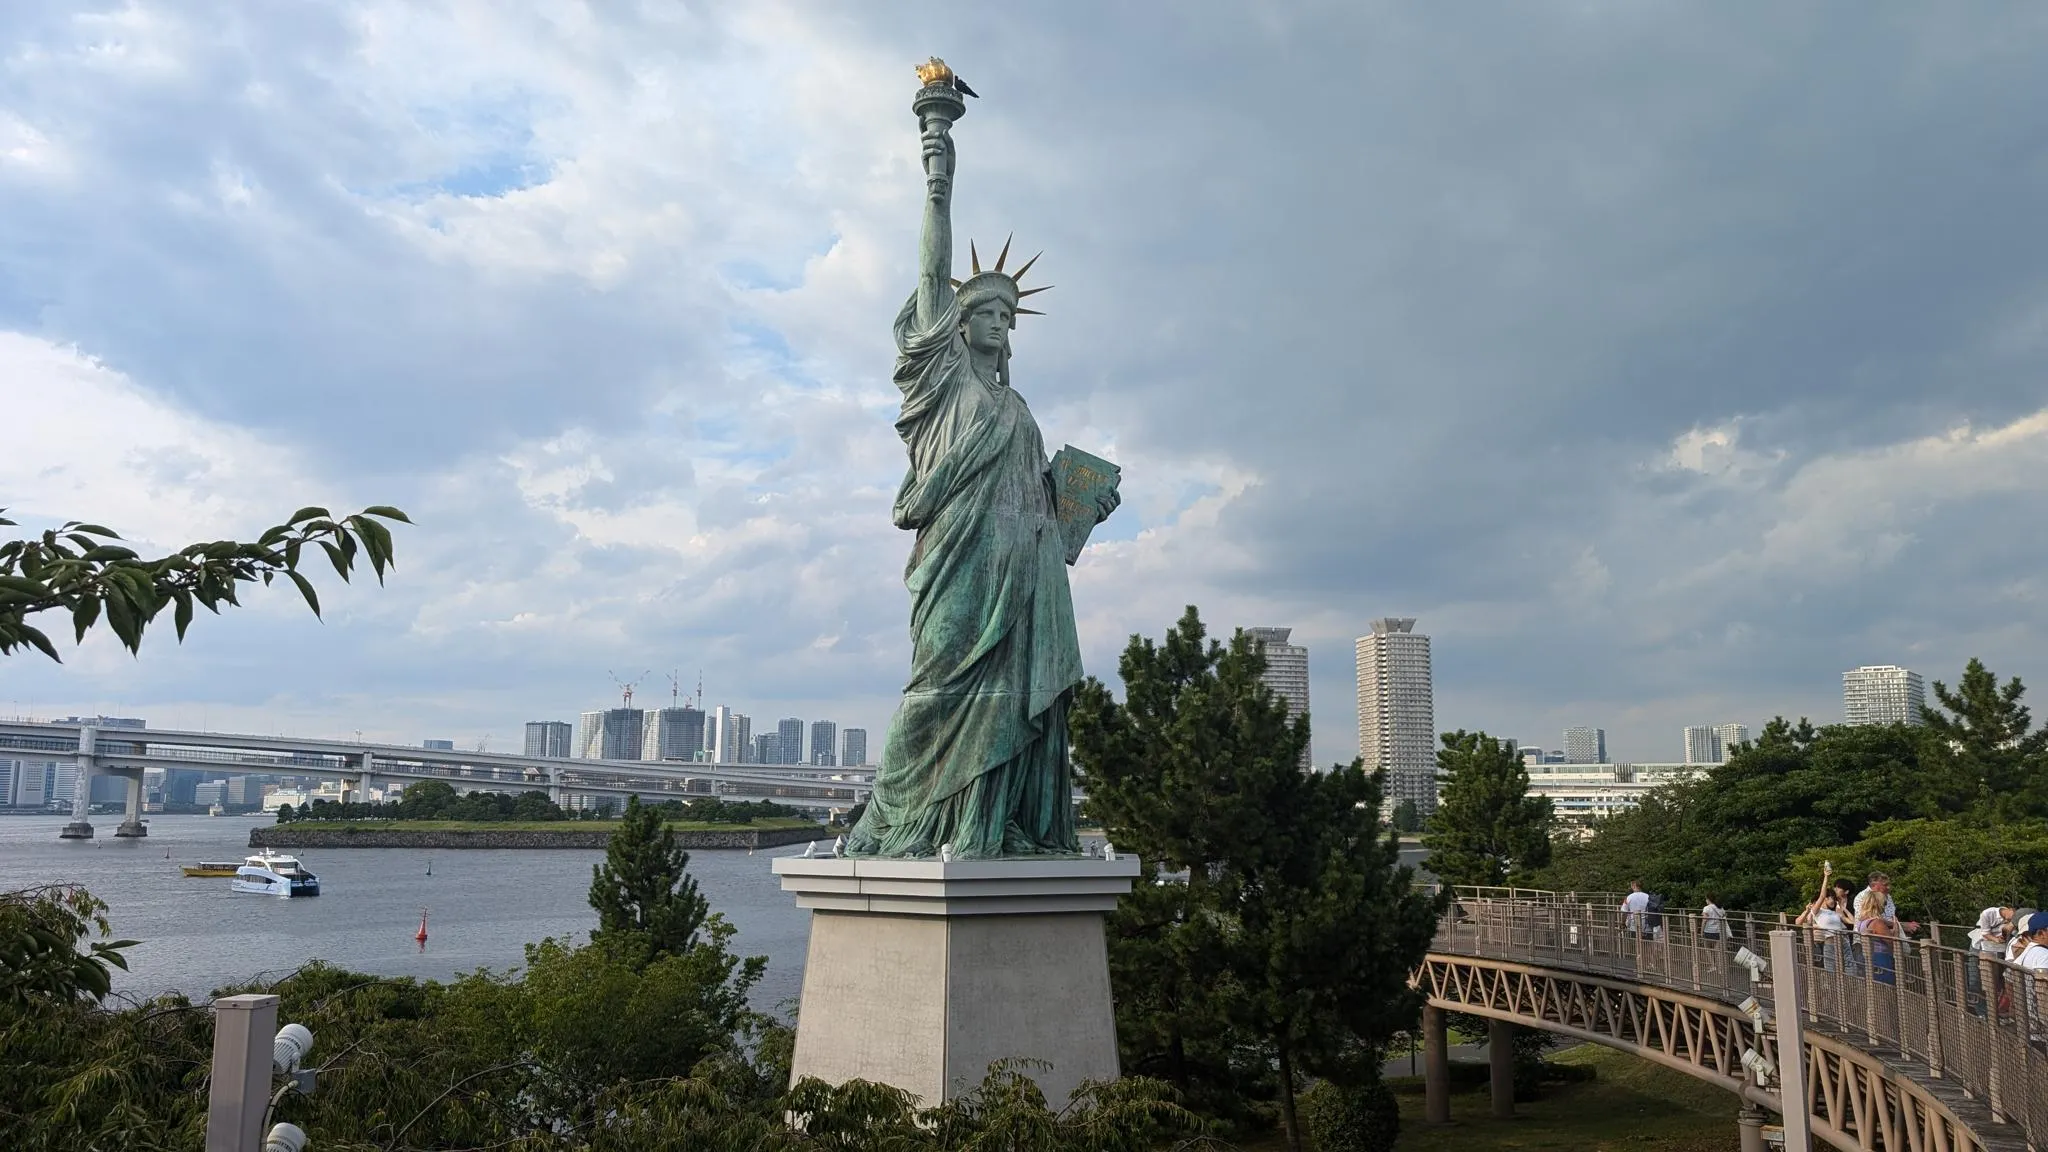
pixel 82 569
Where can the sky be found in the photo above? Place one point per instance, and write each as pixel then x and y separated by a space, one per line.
pixel 1663 360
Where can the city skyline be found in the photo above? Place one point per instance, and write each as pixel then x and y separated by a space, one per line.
pixel 452 228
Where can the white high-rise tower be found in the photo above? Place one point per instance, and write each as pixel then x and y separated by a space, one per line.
pixel 1882 694
pixel 1287 675
pixel 1397 710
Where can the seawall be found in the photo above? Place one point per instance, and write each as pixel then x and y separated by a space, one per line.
pixel 340 835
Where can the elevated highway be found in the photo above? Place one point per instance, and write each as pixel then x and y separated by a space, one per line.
pixel 1923 1048
pixel 128 752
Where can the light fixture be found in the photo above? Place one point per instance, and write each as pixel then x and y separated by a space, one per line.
pixel 1758 1012
pixel 1758 1065
pixel 1759 968
pixel 292 1043
pixel 286 1138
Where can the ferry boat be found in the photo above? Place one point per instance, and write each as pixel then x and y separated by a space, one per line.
pixel 275 874
pixel 213 868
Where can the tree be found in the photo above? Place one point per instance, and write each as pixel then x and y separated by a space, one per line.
pixel 1296 917
pixel 40 933
pixel 1408 816
pixel 1487 829
pixel 1942 870
pixel 76 569
pixel 643 892
pixel 1986 739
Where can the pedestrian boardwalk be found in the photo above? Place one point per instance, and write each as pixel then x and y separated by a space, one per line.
pixel 1906 1047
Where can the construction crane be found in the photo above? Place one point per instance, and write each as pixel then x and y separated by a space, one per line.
pixel 626 686
pixel 675 689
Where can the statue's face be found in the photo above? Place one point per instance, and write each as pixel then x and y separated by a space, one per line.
pixel 988 326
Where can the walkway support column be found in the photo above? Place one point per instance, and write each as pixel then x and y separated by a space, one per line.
pixel 1786 978
pixel 1500 1062
pixel 1436 1066
pixel 1749 1122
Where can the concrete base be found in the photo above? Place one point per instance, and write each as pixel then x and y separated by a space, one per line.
pixel 132 828
pixel 921 974
pixel 76 830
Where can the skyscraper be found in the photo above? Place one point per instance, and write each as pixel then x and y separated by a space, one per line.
pixel 789 740
pixel 1397 710
pixel 673 734
pixel 733 737
pixel 1730 737
pixel 1585 746
pixel 550 738
pixel 1702 745
pixel 611 734
pixel 824 743
pixel 853 748
pixel 767 748
pixel 1882 694
pixel 1286 674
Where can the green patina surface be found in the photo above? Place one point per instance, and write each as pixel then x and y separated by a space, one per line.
pixel 976 757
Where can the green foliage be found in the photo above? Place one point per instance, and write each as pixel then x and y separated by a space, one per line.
pixel 1407 816
pixel 1360 1118
pixel 78 569
pixel 40 933
pixel 644 891
pixel 1733 832
pixel 1293 935
pixel 1942 870
pixel 591 1049
pixel 1487 829
pixel 1995 757
pixel 1953 810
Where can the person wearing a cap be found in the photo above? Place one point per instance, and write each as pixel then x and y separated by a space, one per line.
pixel 2034 969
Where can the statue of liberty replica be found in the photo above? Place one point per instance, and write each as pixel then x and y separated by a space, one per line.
pixel 975 764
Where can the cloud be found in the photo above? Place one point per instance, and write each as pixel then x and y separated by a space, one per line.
pixel 1625 347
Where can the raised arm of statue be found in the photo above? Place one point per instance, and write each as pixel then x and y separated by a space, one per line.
pixel 935 247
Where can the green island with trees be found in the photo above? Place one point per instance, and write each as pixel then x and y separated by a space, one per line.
pixel 437 805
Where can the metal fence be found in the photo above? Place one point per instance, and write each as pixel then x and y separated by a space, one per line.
pixel 1972 1020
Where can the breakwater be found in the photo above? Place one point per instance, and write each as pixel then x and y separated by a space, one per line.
pixel 338 835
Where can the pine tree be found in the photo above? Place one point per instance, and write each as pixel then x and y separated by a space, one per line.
pixel 1407 816
pixel 1306 923
pixel 1487 828
pixel 643 892
pixel 1988 740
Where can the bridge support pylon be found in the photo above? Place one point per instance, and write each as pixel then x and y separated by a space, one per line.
pixel 1436 1066
pixel 133 825
pixel 1500 1067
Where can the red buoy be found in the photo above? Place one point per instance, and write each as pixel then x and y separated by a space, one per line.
pixel 421 935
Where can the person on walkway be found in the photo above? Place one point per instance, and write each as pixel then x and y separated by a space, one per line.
pixel 1986 943
pixel 1636 906
pixel 1714 923
pixel 2033 963
pixel 1880 887
pixel 1830 923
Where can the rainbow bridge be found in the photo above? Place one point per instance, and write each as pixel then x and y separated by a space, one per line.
pixel 1877 1047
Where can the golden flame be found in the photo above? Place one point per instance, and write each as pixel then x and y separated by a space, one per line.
pixel 935 72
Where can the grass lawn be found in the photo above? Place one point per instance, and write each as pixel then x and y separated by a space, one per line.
pixel 1633 1105
pixel 770 824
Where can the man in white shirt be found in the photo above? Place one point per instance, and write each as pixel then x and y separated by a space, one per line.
pixel 1635 904
pixel 1878 899
pixel 1713 922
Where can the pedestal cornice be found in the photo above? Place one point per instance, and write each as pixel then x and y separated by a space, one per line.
pixel 1022 886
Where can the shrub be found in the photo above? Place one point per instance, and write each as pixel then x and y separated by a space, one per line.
pixel 1363 1118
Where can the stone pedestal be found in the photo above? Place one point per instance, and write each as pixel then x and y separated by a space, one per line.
pixel 76 830
pixel 921 974
pixel 132 828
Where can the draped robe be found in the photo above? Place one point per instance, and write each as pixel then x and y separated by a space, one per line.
pixel 976 755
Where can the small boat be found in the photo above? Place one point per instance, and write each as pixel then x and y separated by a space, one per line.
pixel 213 868
pixel 216 810
pixel 275 874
